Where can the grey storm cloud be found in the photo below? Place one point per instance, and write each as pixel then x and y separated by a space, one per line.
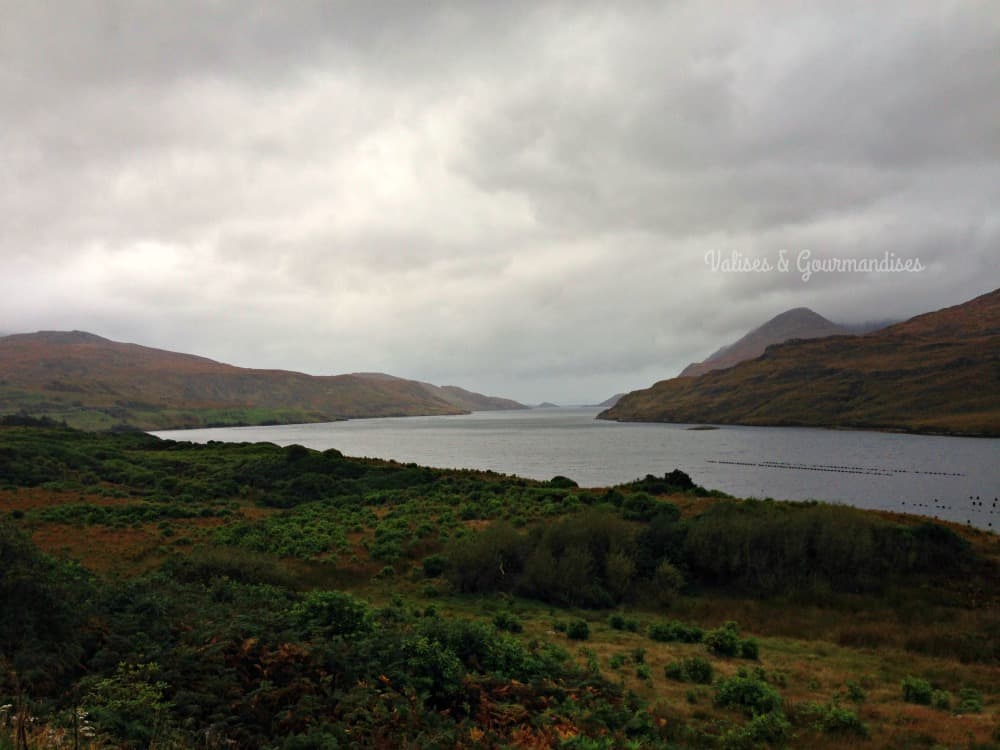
pixel 514 197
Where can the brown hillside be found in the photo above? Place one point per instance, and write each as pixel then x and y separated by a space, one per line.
pixel 938 372
pixel 93 382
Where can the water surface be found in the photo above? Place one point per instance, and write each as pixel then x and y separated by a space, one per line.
pixel 947 477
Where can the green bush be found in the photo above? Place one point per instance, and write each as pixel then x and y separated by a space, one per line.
pixel 561 482
pixel 772 728
pixel 750 649
pixel 834 720
pixel 578 630
pixel 692 669
pixel 206 564
pixel 434 566
pixel 855 692
pixel 617 621
pixel 941 700
pixel 667 582
pixel 490 560
pixel 333 613
pixel 667 632
pixel 724 641
pixel 970 701
pixel 917 691
pixel 508 622
pixel 750 695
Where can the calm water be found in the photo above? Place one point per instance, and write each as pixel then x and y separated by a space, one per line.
pixel 933 476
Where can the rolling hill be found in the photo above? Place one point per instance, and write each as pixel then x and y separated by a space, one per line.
pixel 95 383
pixel 938 372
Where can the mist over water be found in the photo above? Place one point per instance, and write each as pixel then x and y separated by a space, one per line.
pixel 956 479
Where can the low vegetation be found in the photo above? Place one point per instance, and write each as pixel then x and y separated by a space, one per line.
pixel 167 594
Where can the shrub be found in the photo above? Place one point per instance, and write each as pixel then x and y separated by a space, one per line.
pixel 639 507
pixel 507 621
pixel 724 641
pixel 693 669
pixel 750 695
pixel 676 631
pixel 578 630
pixel 643 672
pixel 917 691
pixel 434 566
pixel 619 570
pixel 771 727
pixel 750 649
pixel 617 621
pixel 206 564
pixel 487 561
pixel 334 613
pixel 941 700
pixel 970 701
pixel 834 720
pixel 668 582
pixel 561 482
pixel 855 692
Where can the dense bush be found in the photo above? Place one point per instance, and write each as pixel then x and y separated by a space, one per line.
pixel 751 695
pixel 333 613
pixel 44 613
pixel 578 630
pixel 916 690
pixel 835 720
pixel 490 560
pixel 676 631
pixel 204 564
pixel 724 641
pixel 692 669
pixel 766 547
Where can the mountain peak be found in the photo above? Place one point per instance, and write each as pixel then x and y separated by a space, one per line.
pixel 797 323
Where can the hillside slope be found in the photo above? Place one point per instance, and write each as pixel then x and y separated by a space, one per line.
pixel 798 323
pixel 92 382
pixel 938 372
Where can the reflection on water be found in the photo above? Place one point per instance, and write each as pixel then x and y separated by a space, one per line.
pixel 951 478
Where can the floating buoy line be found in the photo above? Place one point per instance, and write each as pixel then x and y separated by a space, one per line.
pixel 869 470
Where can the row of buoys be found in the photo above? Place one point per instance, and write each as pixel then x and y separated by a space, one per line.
pixel 875 470
pixel 807 467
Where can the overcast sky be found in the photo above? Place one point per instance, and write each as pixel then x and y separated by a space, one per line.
pixel 518 198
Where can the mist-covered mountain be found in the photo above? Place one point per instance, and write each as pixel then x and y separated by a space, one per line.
pixel 938 372
pixel 92 382
pixel 799 323
pixel 611 401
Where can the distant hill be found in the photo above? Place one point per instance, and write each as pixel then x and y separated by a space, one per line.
pixel 547 405
pixel 799 323
pixel 611 401
pixel 938 372
pixel 95 383
pixel 458 397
